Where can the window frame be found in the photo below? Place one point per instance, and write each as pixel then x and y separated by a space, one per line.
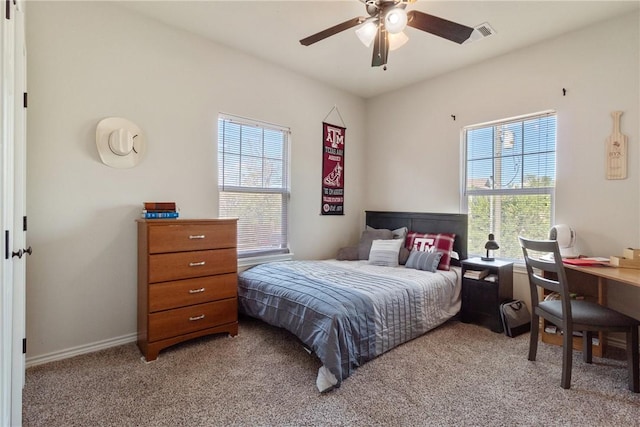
pixel 284 190
pixel 465 192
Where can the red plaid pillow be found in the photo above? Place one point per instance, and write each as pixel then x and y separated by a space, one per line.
pixel 428 242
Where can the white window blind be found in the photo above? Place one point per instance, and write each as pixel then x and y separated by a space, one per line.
pixel 509 184
pixel 253 180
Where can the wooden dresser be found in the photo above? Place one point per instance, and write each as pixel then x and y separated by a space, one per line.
pixel 187 281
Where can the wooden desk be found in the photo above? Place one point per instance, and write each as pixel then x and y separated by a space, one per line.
pixel 586 280
pixel 630 276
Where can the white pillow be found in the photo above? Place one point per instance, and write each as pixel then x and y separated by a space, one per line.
pixel 385 252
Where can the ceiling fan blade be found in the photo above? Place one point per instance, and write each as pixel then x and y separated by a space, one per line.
pixel 438 26
pixel 380 48
pixel 331 31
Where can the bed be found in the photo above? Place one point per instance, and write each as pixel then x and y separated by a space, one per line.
pixel 349 312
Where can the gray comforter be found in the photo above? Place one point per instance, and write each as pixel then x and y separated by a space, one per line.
pixel 348 312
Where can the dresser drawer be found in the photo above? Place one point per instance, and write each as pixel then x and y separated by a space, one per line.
pixel 185 265
pixel 191 237
pixel 168 295
pixel 170 323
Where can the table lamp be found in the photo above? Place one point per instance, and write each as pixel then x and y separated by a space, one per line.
pixel 490 246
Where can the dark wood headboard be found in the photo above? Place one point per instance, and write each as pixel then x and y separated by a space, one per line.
pixel 424 223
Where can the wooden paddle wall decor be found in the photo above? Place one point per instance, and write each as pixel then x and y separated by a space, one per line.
pixel 616 146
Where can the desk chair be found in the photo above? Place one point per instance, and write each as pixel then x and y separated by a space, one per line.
pixel 572 315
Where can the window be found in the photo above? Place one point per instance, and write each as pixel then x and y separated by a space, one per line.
pixel 253 172
pixel 509 184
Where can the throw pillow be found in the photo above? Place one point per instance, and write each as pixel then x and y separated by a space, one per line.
pixel 398 233
pixel 427 261
pixel 429 242
pixel 349 253
pixel 455 259
pixel 385 252
pixel 368 236
pixel 404 255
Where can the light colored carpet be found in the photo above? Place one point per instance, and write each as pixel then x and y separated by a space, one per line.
pixel 458 374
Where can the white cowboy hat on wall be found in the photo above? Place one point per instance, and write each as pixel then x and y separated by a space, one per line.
pixel 120 142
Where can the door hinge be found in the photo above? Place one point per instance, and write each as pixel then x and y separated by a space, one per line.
pixel 24 223
pixel 24 346
pixel 24 99
pixel 6 244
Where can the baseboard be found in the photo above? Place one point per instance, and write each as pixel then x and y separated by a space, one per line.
pixel 81 349
pixel 126 339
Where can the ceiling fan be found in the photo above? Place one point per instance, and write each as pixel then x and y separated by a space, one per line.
pixel 385 24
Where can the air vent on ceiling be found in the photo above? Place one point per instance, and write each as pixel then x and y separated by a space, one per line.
pixel 480 31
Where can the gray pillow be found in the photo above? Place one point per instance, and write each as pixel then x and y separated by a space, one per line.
pixel 368 236
pixel 398 233
pixel 385 252
pixel 427 261
pixel 349 253
pixel 403 256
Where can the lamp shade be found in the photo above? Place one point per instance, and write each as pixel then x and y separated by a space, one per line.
pixel 490 246
pixel 395 20
pixel 367 32
pixel 397 40
pixel 491 243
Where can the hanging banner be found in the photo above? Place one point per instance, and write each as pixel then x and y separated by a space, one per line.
pixel 332 169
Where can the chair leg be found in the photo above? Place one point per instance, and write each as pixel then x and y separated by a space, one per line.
pixel 587 353
pixel 633 360
pixel 567 359
pixel 533 337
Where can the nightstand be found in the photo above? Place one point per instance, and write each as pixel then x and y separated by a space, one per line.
pixel 482 296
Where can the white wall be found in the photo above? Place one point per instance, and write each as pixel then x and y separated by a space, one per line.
pixel 414 160
pixel 91 60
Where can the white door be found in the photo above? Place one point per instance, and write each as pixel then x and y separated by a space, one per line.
pixel 12 214
pixel 6 120
pixel 19 217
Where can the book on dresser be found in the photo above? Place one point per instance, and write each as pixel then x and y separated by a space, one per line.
pixel 187 281
pixel 160 206
pixel 156 215
pixel 159 210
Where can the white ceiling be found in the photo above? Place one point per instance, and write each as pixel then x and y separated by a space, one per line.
pixel 271 30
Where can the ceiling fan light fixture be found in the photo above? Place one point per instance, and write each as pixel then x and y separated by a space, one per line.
pixel 397 40
pixel 395 20
pixel 367 32
pixel 384 27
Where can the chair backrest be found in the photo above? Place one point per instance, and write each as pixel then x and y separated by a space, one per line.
pixel 536 267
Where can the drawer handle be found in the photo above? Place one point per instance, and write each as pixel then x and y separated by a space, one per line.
pixel 196 291
pixel 196 264
pixel 194 318
pixel 199 236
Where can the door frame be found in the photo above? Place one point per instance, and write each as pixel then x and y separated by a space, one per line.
pixel 19 215
pixel 12 194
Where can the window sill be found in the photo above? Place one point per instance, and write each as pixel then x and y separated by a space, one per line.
pixel 519 267
pixel 245 263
